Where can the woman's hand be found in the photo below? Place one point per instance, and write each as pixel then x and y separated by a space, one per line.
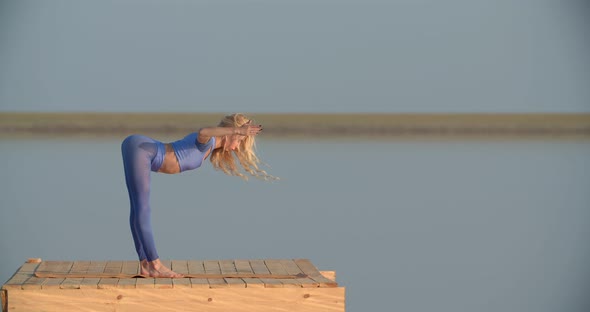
pixel 246 130
pixel 249 129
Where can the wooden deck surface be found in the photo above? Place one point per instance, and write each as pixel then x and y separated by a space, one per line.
pixel 212 292
pixel 271 271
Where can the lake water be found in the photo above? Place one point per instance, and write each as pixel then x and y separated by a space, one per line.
pixel 408 225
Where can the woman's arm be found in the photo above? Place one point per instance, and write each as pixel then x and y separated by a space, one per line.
pixel 206 133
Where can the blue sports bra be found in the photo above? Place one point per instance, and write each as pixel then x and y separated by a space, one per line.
pixel 190 152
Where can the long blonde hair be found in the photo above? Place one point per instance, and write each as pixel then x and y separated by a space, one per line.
pixel 223 159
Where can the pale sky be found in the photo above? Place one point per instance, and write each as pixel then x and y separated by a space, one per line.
pixel 295 56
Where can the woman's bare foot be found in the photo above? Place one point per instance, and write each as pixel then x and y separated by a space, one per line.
pixel 157 269
pixel 144 271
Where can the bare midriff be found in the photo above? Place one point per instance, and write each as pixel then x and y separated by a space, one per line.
pixel 170 164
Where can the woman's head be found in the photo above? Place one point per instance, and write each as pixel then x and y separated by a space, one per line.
pixel 243 148
pixel 232 142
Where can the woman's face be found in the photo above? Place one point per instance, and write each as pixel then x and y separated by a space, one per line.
pixel 233 141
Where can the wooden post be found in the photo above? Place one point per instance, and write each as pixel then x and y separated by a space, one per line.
pixel 4 300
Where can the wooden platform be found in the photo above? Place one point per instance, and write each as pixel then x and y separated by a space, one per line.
pixel 217 285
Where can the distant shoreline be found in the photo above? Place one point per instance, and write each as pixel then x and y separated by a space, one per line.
pixel 372 125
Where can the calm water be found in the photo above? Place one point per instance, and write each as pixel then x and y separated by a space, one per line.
pixel 407 225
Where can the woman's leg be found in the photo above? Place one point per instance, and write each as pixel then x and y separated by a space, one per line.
pixel 138 153
pixel 139 159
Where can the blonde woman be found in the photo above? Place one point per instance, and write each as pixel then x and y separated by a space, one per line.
pixel 141 155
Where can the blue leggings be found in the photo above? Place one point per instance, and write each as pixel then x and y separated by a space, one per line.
pixel 140 156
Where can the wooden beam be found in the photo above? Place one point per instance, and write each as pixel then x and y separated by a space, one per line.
pixel 182 299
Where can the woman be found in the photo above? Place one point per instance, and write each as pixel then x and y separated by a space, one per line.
pixel 142 155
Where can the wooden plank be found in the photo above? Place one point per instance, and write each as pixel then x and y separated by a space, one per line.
pixel 54 266
pixel 95 267
pixel 17 280
pixel 129 267
pixel 71 283
pixel 44 266
pixel 293 269
pixel 181 267
pixel 197 267
pixel 52 283
pixel 21 276
pixel 228 267
pixel 28 267
pixel 259 267
pixel 312 272
pixel 32 282
pixel 112 267
pixel 184 299
pixel 146 282
pixel 243 267
pixel 212 267
pixel 276 268
pixel 126 283
pixel 79 267
pixel 253 282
